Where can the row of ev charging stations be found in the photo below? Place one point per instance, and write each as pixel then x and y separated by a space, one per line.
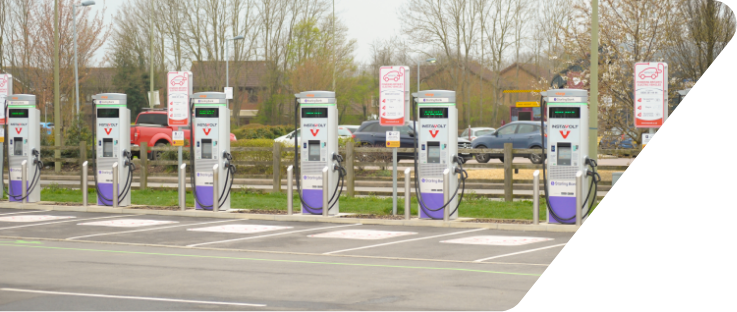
pixel 316 114
pixel 24 145
pixel 112 149
pixel 210 151
pixel 567 147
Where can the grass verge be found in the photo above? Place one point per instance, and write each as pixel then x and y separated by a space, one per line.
pixel 471 207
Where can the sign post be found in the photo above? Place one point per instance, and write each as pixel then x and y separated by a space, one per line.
pixel 393 109
pixel 6 89
pixel 650 95
pixel 179 85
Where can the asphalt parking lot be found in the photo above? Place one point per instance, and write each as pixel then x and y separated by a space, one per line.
pixel 96 261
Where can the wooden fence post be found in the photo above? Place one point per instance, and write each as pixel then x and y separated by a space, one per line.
pixel 82 159
pixel 508 176
pixel 144 164
pixel 276 155
pixel 350 175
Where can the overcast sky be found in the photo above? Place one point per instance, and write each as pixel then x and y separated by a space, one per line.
pixel 367 20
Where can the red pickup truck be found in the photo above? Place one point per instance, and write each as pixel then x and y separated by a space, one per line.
pixel 152 127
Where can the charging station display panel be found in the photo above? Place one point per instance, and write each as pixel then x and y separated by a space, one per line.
pixel 437 145
pixel 211 140
pixel 23 138
pixel 108 143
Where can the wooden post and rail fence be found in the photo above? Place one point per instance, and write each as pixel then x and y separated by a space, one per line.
pixel 351 153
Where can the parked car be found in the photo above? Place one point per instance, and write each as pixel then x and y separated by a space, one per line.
pixel 153 127
pixel 351 128
pixel 522 135
pixel 473 133
pixel 464 144
pixel 48 126
pixel 373 134
pixel 288 139
pixel 616 142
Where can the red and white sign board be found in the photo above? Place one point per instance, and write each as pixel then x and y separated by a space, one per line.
pixel 495 240
pixel 240 228
pixel 179 86
pixel 6 88
pixel 129 223
pixel 393 90
pixel 651 94
pixel 32 218
pixel 362 234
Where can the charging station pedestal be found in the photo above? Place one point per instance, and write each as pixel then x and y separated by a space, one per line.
pixel 437 135
pixel 112 144
pixel 568 138
pixel 319 135
pixel 24 143
pixel 211 131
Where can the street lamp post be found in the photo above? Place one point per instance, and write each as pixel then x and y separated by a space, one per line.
pixel 74 25
pixel 430 60
pixel 227 59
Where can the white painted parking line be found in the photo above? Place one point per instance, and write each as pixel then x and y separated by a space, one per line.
pixel 240 228
pixel 48 223
pixel 128 223
pixel 362 234
pixel 61 293
pixel 497 240
pixel 519 252
pixel 403 241
pixel 33 218
pixel 149 229
pixel 15 213
pixel 270 235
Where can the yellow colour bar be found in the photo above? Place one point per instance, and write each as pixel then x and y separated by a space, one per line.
pixel 528 104
pixel 521 91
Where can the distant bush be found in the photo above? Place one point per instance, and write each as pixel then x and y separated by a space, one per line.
pixel 258 131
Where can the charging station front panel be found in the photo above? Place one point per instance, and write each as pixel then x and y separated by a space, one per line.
pixel 112 119
pixel 567 115
pixel 319 140
pixel 211 129
pixel 24 136
pixel 437 146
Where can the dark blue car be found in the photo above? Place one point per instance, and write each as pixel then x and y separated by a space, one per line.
pixel 522 135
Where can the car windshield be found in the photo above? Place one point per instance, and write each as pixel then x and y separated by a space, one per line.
pixel 154 119
pixel 484 132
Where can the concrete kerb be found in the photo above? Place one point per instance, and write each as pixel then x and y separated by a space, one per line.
pixel 542 227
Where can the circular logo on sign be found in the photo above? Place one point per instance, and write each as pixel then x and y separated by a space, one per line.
pixel 423 180
pixel 305 177
pixel 198 174
pixel 552 183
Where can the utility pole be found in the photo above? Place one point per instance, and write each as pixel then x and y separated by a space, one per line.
pixel 594 78
pixel 151 59
pixel 57 102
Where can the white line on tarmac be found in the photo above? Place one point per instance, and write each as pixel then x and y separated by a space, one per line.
pixel 403 241
pixel 269 235
pixel 625 244
pixel 15 213
pixel 634 285
pixel 517 253
pixel 129 297
pixel 72 220
pixel 150 229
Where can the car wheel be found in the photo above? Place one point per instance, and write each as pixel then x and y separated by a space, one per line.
pixel 482 158
pixel 156 155
pixel 536 158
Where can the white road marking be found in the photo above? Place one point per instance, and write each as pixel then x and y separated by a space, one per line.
pixel 14 213
pixel 269 235
pixel 403 241
pixel 144 230
pixel 634 285
pixel 129 297
pixel 72 220
pixel 519 252
pixel 635 244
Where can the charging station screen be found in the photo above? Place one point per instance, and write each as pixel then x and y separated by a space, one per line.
pixel 206 112
pixel 314 151
pixel 206 148
pixel 428 112
pixel 564 112
pixel 315 112
pixel 564 154
pixel 108 113
pixel 18 113
pixel 433 152
pixel 18 146
pixel 107 147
